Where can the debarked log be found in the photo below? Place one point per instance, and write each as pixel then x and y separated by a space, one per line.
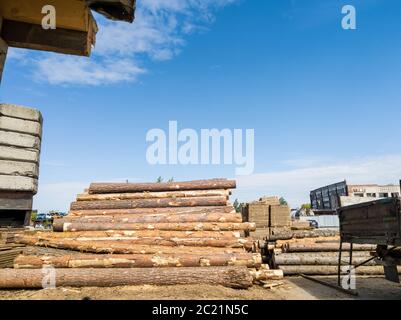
pixel 120 247
pixel 331 270
pixel 135 234
pixel 168 186
pixel 295 247
pixel 149 203
pixel 103 244
pixel 153 218
pixel 143 211
pixel 153 195
pixel 251 260
pixel 319 259
pixel 233 277
pixel 194 226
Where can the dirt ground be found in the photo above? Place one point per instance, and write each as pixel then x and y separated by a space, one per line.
pixel 294 288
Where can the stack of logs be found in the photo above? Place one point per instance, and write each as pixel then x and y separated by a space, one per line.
pixel 320 256
pixel 153 233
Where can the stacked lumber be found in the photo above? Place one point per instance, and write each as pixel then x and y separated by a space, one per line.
pixel 143 228
pixel 268 215
pixel 314 256
pixel 20 140
pixel 8 253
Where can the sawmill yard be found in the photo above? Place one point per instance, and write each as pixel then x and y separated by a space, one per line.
pixel 181 241
pixel 293 288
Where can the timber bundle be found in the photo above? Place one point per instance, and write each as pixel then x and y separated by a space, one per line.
pixel 269 216
pixel 152 233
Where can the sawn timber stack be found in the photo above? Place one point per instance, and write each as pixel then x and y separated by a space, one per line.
pixel 185 226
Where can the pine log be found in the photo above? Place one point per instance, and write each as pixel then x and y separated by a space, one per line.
pixel 103 244
pixel 153 218
pixel 335 239
pixel 296 247
pixel 301 234
pixel 318 259
pixel 115 247
pixel 140 261
pixel 233 277
pixel 194 226
pixel 330 270
pixel 143 211
pixel 149 203
pixel 135 234
pixel 169 186
pixel 153 195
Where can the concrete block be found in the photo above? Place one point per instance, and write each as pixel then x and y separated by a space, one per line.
pixel 18 168
pixel 14 111
pixel 20 125
pixel 22 154
pixel 18 183
pixel 19 140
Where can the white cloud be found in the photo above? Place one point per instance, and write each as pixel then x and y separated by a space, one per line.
pixel 123 49
pixel 76 70
pixel 295 184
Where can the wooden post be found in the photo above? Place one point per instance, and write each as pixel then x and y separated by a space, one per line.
pixel 3 51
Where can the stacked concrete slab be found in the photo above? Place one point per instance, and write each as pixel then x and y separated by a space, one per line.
pixel 20 141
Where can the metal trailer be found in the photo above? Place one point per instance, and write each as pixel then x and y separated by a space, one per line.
pixel 326 200
pixel 376 222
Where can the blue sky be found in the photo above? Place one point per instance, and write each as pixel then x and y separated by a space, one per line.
pixel 325 103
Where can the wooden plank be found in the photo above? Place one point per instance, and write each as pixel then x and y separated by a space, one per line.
pixel 19 168
pixel 18 183
pixel 71 14
pixel 114 9
pixel 14 111
pixel 21 126
pixel 31 36
pixel 19 154
pixel 8 138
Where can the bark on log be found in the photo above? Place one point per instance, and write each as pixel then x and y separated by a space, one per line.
pixel 298 234
pixel 169 186
pixel 330 270
pixel 194 226
pixel 104 244
pixel 135 234
pixel 143 211
pixel 317 259
pixel 149 203
pixel 233 277
pixel 325 247
pixel 154 218
pixel 115 247
pixel 153 195
pixel 140 261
